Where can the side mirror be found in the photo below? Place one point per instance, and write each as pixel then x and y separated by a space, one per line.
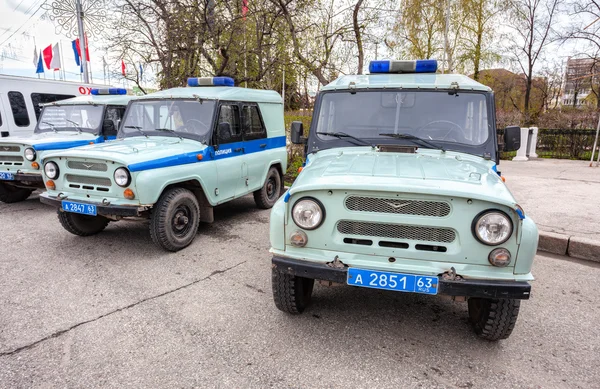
pixel 108 128
pixel 224 131
pixel 512 138
pixel 297 133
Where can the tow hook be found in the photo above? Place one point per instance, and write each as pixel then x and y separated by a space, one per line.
pixel 336 263
pixel 450 275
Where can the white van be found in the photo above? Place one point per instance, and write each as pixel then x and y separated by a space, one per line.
pixel 20 99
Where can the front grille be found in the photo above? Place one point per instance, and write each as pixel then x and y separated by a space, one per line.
pixel 91 166
pixel 398 206
pixel 12 158
pixel 10 148
pixel 396 231
pixel 99 181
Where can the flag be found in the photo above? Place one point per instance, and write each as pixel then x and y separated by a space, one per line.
pixel 244 8
pixel 141 71
pixel 122 67
pixel 40 65
pixel 75 45
pixel 55 63
pixel 87 49
pixel 47 56
pixel 35 57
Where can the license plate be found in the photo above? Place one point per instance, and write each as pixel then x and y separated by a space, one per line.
pixel 392 281
pixel 84 209
pixel 7 176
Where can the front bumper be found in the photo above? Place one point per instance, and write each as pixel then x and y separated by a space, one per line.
pixel 105 210
pixel 463 287
pixel 26 181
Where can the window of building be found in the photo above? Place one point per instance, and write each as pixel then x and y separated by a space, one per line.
pixel 252 124
pixel 43 98
pixel 19 109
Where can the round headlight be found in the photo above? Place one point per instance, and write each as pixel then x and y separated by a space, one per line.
pixel 30 154
pixel 51 170
pixel 492 228
pixel 308 213
pixel 122 177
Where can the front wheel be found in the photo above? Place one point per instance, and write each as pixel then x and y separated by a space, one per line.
pixel 175 219
pixel 493 319
pixel 82 225
pixel 292 294
pixel 266 196
pixel 12 194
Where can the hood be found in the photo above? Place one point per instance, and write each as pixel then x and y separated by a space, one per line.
pixel 40 141
pixel 427 171
pixel 134 150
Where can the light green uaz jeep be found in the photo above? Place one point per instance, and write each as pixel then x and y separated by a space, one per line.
pixel 400 191
pixel 62 125
pixel 178 153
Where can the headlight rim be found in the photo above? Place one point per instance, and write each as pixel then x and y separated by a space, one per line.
pixel 55 166
pixel 319 204
pixel 128 176
pixel 34 154
pixel 480 215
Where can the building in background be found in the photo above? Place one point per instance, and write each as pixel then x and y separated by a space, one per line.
pixel 582 82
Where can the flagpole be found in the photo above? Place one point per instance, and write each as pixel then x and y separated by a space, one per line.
pixel 62 60
pixel 38 59
pixel 82 41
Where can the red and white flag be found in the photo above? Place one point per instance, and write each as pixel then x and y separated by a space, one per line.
pixel 47 53
pixel 55 63
pixel 122 67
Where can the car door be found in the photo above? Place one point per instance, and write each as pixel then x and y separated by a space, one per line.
pixel 255 146
pixel 229 151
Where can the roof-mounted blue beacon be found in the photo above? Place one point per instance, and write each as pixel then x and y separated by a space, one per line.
pixel 211 81
pixel 415 66
pixel 108 91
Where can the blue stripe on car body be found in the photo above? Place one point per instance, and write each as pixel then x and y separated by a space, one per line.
pixel 69 144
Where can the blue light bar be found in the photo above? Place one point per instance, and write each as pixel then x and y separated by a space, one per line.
pixel 211 81
pixel 108 91
pixel 417 66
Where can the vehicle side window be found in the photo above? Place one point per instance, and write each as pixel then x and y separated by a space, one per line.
pixel 229 113
pixel 19 109
pixel 116 115
pixel 43 98
pixel 252 123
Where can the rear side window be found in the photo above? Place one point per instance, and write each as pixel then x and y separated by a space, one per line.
pixel 43 98
pixel 19 109
pixel 253 125
pixel 230 114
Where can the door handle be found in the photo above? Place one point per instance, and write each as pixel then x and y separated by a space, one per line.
pixel 238 149
pixel 263 145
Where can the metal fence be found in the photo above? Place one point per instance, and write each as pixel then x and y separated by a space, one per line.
pixel 561 144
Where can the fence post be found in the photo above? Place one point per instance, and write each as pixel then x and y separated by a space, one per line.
pixel 533 142
pixel 522 152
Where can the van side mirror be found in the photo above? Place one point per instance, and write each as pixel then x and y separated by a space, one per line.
pixel 108 128
pixel 297 133
pixel 224 131
pixel 512 138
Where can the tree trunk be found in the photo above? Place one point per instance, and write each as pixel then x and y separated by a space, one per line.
pixel 358 36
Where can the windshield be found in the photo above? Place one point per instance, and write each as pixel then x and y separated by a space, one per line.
pixel 439 117
pixel 180 118
pixel 86 118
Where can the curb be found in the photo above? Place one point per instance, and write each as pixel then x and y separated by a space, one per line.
pixel 572 246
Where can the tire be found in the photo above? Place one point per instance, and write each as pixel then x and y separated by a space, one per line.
pixel 174 220
pixel 266 196
pixel 493 319
pixel 292 294
pixel 11 194
pixel 82 225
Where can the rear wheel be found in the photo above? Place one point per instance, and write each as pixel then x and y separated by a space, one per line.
pixel 266 196
pixel 292 294
pixel 174 220
pixel 493 319
pixel 82 225
pixel 12 194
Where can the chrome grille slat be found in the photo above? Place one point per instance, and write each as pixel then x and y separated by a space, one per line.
pixel 99 181
pixel 12 158
pixel 396 231
pixel 10 148
pixel 89 166
pixel 398 206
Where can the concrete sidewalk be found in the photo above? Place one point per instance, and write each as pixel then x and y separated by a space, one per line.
pixel 563 198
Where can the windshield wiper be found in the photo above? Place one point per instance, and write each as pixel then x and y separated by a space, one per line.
pixel 137 128
pixel 51 126
pixel 415 139
pixel 340 135
pixel 169 130
pixel 75 124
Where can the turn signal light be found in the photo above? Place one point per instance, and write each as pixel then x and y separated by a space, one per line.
pixel 128 193
pixel 300 169
pixel 499 257
pixel 298 239
pixel 50 185
pixel 503 178
pixel 199 156
pixel 35 165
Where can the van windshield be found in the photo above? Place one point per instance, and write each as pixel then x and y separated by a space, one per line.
pixel 85 118
pixel 439 117
pixel 175 117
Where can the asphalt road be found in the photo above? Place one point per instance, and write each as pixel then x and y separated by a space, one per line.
pixel 113 311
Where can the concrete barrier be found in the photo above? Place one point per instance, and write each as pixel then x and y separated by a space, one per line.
pixel 583 248
pixel 553 243
pixel 572 246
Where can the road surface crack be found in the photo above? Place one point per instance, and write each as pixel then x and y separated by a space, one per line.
pixel 62 332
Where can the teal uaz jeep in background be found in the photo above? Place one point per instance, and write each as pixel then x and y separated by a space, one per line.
pixel 401 192
pixel 178 153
